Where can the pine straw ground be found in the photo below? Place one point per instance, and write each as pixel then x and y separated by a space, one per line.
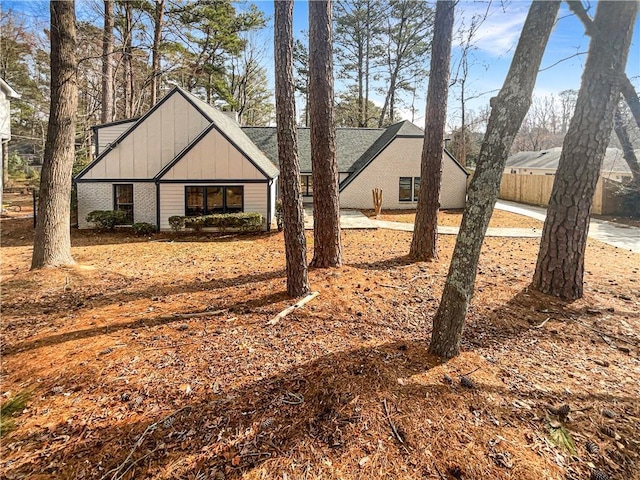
pixel 121 387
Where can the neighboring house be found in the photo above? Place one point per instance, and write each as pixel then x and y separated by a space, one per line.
pixel 6 93
pixel 545 162
pixel 185 157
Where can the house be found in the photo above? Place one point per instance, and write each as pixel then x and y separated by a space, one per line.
pixel 545 162
pixel 185 157
pixel 6 94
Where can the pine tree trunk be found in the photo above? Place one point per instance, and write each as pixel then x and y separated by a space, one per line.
pixel 127 68
pixel 560 266
pixel 155 52
pixel 425 233
pixel 5 163
pixel 295 242
pixel 52 242
pixel 508 110
pixel 107 63
pixel 327 250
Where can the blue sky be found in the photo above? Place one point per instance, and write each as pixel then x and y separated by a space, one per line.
pixel 495 42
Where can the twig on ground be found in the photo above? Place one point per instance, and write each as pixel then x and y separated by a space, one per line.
pixel 117 474
pixel 391 424
pixel 198 314
pixel 293 307
pixel 472 371
pixel 391 286
pixel 543 323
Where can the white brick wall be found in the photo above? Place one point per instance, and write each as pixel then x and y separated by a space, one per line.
pixel 401 158
pixel 93 196
pixel 99 196
pixel 144 202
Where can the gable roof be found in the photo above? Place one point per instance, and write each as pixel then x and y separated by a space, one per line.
pixel 232 131
pixel 351 143
pixel 548 159
pixel 8 91
pixel 400 129
pixel 225 126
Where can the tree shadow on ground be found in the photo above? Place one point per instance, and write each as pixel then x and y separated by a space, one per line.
pixel 143 323
pixel 316 406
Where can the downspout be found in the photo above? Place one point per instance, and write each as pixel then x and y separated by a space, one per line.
pixel 269 183
pixel 157 182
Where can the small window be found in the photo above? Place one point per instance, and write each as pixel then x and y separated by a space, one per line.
pixel 123 200
pixel 405 189
pixel 306 185
pixel 210 200
pixel 416 188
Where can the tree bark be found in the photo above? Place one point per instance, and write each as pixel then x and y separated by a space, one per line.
pixel 127 60
pixel 155 52
pixel 295 242
pixel 52 241
pixel 631 97
pixel 5 164
pixel 627 148
pixel 327 251
pixel 560 266
pixel 508 110
pixel 425 233
pixel 107 63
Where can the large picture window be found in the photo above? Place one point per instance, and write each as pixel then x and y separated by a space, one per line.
pixel 306 185
pixel 209 200
pixel 123 200
pixel 408 189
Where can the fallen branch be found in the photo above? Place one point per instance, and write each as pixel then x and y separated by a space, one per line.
pixel 117 472
pixel 543 323
pixel 293 307
pixel 391 424
pixel 199 314
pixel 391 286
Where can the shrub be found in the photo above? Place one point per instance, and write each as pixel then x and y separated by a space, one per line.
pixel 246 222
pixel 196 223
pixel 176 222
pixel 143 229
pixel 107 219
pixel 279 215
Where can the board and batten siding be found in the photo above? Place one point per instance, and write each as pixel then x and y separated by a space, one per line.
pixel 213 157
pixel 401 158
pixel 172 199
pixel 106 135
pixel 99 196
pixel 153 143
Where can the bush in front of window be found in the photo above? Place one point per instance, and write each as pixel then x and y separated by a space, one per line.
pixel 107 219
pixel 176 222
pixel 143 229
pixel 195 223
pixel 245 222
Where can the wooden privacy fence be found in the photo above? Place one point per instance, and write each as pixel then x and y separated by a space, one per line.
pixel 536 190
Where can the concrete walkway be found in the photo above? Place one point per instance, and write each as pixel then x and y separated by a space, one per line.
pixel 616 234
pixel 349 219
pixel 444 230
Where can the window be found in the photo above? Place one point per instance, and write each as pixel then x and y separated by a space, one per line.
pixel 408 189
pixel 209 200
pixel 123 200
pixel 306 185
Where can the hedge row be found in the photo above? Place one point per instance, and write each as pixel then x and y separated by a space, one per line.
pixel 246 222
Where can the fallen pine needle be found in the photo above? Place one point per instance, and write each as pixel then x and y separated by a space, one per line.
pixel 391 424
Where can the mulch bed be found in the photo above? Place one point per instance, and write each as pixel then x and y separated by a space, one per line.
pixel 123 383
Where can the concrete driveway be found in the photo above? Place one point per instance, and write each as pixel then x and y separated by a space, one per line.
pixel 616 234
pixel 349 219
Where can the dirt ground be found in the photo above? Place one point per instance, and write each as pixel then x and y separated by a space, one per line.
pixel 123 383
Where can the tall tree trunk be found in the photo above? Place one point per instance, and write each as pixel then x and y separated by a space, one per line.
pixel 508 110
pixel 560 266
pixel 627 148
pixel 107 63
pixel 425 233
pixel 127 67
pixel 327 251
pixel 155 52
pixel 5 163
pixel 295 243
pixel 631 97
pixel 52 241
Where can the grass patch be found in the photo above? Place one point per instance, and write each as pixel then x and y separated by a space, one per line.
pixel 9 409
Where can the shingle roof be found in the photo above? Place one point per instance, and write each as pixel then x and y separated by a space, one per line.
pixel 235 134
pixel 351 143
pixel 549 159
